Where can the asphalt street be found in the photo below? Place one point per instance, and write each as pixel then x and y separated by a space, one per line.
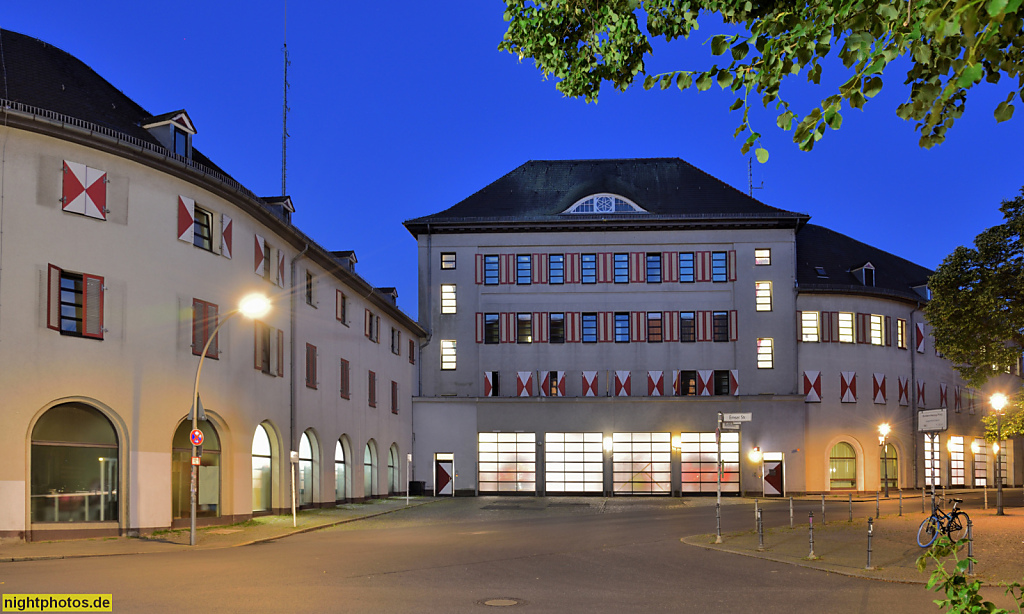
pixel 547 554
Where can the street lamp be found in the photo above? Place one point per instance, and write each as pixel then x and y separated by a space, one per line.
pixel 755 455
pixel 883 432
pixel 251 306
pixel 998 401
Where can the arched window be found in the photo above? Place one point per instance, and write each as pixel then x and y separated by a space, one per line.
pixel 306 465
pixel 842 465
pixel 262 458
pixel 888 470
pixel 370 470
pixel 207 476
pixel 393 469
pixel 604 203
pixel 340 492
pixel 74 466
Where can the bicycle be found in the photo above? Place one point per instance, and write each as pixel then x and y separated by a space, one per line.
pixel 953 524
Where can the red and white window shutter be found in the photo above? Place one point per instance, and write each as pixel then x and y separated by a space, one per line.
pixel 590 383
pixel 705 386
pixel 560 384
pixel 812 386
pixel 280 268
pixel 572 268
pixel 734 382
pixel 186 219
pixel 488 383
pixel 540 268
pixel 259 254
pixel 943 398
pixel 572 327
pixel 848 386
pixel 957 399
pixel 920 395
pixel 670 267
pixel 919 339
pixel 638 326
pixel 540 327
pixel 622 383
pixel 904 391
pixel 84 190
pixel 637 267
pixel 226 232
pixel 732 265
pixel 675 382
pixel 524 383
pixel 655 383
pixel 478 267
pixel 878 388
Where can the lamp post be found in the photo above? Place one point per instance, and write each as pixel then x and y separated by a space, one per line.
pixel 251 306
pixel 998 401
pixel 755 457
pixel 883 432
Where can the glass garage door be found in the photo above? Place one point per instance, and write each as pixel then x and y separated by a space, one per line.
pixel 573 463
pixel 642 463
pixel 507 462
pixel 699 455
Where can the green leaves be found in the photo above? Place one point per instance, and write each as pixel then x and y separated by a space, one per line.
pixel 995 7
pixel 971 75
pixel 1003 112
pixel 762 154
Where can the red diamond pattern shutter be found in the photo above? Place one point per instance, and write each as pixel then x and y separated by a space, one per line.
pixel 73 187
pixel 622 383
pixel 540 268
pixel 186 220
pixel 732 265
pixel 259 254
pixel 478 267
pixel 903 384
pixel 675 382
pixel 920 395
pixel 524 383
pixel 943 398
pixel 572 269
pixel 637 270
pixel 734 382
pixel 95 193
pixel 638 326
pixel 919 340
pixel 488 385
pixel 704 383
pixel 92 306
pixel 848 386
pixel 590 383
pixel 561 383
pixel 878 388
pixel 53 297
pixel 812 386
pixel 280 268
pixel 670 267
pixel 226 233
pixel 957 398
pixel 545 383
pixel 655 383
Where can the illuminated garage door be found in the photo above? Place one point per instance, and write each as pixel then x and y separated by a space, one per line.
pixel 573 463
pixel 641 463
pixel 699 456
pixel 507 462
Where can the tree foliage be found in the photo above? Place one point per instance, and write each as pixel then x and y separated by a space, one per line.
pixel 952 45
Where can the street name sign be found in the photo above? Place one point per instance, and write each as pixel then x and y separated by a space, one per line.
pixel 746 417
pixel 931 420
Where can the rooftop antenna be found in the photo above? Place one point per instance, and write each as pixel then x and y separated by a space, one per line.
pixel 284 126
pixel 750 178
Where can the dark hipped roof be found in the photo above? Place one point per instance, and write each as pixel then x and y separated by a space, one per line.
pixel 539 190
pixel 41 75
pixel 838 254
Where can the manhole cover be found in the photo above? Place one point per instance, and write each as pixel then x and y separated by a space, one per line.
pixel 503 602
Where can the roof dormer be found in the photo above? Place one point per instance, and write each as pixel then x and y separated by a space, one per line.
pixel 604 203
pixel 282 206
pixel 390 293
pixel 174 131
pixel 865 273
pixel 347 258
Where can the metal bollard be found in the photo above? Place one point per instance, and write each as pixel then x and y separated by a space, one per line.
pixel 851 506
pixel 810 534
pixel 876 504
pixel 970 547
pixel 757 512
pixel 718 523
pixel 791 512
pixel 986 495
pixel 822 510
pixel 760 532
pixel 871 533
pixel 901 502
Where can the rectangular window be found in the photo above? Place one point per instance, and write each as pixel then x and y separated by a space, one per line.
pixel 448 260
pixel 654 268
pixel 491 331
pixel 75 303
pixel 687 384
pixel 202 229
pixel 371 389
pixel 762 256
pixel 524 272
pixel 589 321
pixel 653 326
pixel 719 268
pixel 447 298
pixel 763 295
pixel 412 352
pixel 309 289
pixel 341 307
pixel 621 327
pixel 556 328
pixel 310 366
pixel 495 383
pixel 845 327
pixel 686 267
pixel 396 341
pixel 180 142
pixel 447 354
pixel 720 326
pixel 556 269
pixel 687 327
pixel 264 334
pixel 764 354
pixel 809 326
pixel 344 373
pixel 524 328
pixel 877 331
pixel 621 268
pixel 394 397
pixel 721 382
pixel 371 326
pixel 901 334
pixel 588 268
pixel 204 321
pixel 491 270
pixel 552 384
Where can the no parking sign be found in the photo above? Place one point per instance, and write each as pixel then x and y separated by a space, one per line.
pixel 196 437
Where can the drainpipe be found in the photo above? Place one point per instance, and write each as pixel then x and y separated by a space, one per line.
pixel 293 444
pixel 912 333
pixel 426 342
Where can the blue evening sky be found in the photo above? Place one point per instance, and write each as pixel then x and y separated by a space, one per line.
pixel 401 109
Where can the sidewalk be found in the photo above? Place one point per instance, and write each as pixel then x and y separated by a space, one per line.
pixel 260 529
pixel 841 546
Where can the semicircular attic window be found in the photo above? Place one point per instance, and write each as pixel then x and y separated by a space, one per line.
pixel 604 203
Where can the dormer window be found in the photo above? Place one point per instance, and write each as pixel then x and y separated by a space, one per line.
pixel 180 142
pixel 604 203
pixel 866 274
pixel 174 131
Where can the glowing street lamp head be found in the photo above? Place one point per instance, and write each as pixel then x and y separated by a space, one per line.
pixel 998 401
pixel 883 429
pixel 995 448
pixel 254 306
pixel 755 454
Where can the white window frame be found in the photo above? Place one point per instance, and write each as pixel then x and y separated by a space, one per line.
pixel 762 296
pixel 876 329
pixel 765 353
pixel 809 321
pixel 846 329
pixel 448 299
pixel 762 256
pixel 448 355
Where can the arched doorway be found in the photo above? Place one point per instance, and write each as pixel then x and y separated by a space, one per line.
pixel 308 455
pixel 74 466
pixel 208 474
pixel 394 469
pixel 888 467
pixel 370 488
pixel 262 461
pixel 340 473
pixel 842 465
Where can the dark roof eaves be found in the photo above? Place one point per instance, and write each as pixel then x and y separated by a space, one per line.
pixel 910 297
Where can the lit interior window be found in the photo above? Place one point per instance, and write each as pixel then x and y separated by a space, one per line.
pixel 762 256
pixel 763 295
pixel 764 354
pixel 809 326
pixel 845 327
pixel 447 298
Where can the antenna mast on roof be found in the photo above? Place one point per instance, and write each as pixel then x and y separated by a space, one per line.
pixel 284 126
pixel 750 178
